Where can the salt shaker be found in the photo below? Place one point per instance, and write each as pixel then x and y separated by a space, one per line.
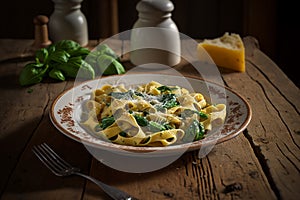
pixel 155 37
pixel 68 22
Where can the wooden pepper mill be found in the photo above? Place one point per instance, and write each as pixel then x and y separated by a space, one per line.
pixel 41 38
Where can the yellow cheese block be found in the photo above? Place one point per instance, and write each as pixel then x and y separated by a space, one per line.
pixel 227 51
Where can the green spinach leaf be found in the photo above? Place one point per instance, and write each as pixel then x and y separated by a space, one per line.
pixel 165 88
pixel 155 127
pixel 188 113
pixel 142 121
pixel 168 100
pixel 195 131
pixel 106 122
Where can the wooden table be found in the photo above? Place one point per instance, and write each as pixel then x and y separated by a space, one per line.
pixel 263 162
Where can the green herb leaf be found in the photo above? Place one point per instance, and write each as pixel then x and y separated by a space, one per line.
pixel 142 121
pixel 105 61
pixel 81 51
pixel 106 122
pixel 189 113
pixel 118 67
pixel 123 134
pixel 105 49
pixel 67 45
pixel 51 48
pixel 155 127
pixel 194 132
pixel 32 73
pixel 164 88
pixel 91 58
pixel 107 65
pixel 66 59
pixel 76 67
pixel 168 126
pixel 59 56
pixel 56 74
pixel 200 134
pixel 41 55
pixel 169 100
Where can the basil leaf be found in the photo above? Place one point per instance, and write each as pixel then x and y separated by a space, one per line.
pixel 86 71
pixel 105 49
pixel 91 58
pixel 56 74
pixel 83 52
pixel 32 73
pixel 67 45
pixel 51 49
pixel 60 56
pixel 103 63
pixel 76 67
pixel 107 65
pixel 118 67
pixel 41 55
pixel 64 58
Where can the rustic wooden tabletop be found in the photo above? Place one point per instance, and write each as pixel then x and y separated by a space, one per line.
pixel 262 162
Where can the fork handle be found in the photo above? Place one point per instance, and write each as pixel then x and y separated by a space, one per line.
pixel 111 191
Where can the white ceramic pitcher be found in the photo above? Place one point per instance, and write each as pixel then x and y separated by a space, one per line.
pixel 155 37
pixel 68 22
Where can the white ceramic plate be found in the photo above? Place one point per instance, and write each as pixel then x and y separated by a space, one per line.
pixel 65 110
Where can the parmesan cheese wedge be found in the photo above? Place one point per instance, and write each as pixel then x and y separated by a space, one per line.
pixel 227 51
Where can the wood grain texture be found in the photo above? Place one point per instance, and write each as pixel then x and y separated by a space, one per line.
pixel 274 128
pixel 260 163
pixel 26 117
pixel 233 175
pixel 18 119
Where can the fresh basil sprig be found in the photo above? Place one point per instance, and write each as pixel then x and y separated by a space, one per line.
pixel 75 65
pixel 105 61
pixel 32 73
pixel 56 61
pixel 67 58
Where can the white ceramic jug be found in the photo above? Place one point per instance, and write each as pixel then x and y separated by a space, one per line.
pixel 155 37
pixel 68 22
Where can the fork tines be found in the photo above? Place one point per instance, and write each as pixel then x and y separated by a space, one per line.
pixel 51 159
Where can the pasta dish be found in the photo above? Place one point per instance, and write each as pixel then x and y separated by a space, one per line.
pixel 150 114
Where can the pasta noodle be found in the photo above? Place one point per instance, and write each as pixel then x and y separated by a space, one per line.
pixel 151 114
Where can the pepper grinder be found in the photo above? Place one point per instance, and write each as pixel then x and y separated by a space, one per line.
pixel 67 22
pixel 155 37
pixel 41 39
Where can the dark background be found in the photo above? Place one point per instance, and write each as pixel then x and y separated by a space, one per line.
pixel 275 23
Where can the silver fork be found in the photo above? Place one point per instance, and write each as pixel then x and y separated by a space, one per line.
pixel 62 168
